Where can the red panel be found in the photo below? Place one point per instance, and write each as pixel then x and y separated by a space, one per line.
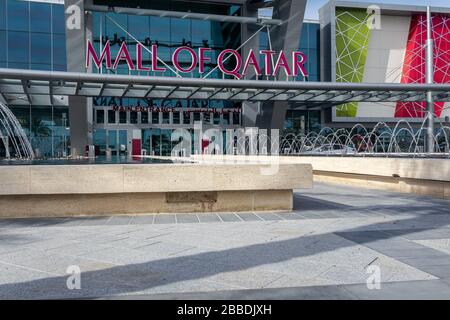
pixel 136 147
pixel 414 64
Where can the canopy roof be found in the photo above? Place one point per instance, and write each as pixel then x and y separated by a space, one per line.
pixel 19 87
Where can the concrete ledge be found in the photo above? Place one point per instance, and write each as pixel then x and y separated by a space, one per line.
pixel 146 178
pixel 64 205
pixel 71 190
pixel 429 177
pixel 432 188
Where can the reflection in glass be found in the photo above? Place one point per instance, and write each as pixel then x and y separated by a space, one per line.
pixel 100 116
pixel 144 117
pixel 18 15
pixel 111 116
pixel 122 117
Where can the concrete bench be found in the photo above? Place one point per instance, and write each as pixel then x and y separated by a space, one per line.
pixel 70 190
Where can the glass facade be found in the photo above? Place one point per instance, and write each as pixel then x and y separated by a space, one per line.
pixel 32 37
pixel 305 121
pixel 309 44
pixel 168 34
pixel 302 121
pixel 33 34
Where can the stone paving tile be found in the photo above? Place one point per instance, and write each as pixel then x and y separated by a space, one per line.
pixel 440 271
pixel 425 234
pixel 410 253
pixel 119 220
pixel 303 293
pixel 442 245
pixel 413 290
pixel 208 217
pixel 187 218
pixel 290 251
pixel 249 217
pixel 420 262
pixel 229 217
pixel 143 219
pixel 72 222
pixel 269 216
pixel 96 221
pixel 291 216
pixel 164 218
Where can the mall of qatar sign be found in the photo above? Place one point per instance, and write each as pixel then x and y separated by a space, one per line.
pixel 199 57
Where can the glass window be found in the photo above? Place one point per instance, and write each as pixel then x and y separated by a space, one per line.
pixel 61 133
pixel 41 66
pixel 111 116
pixel 100 140
pixel 40 48
pixel 58 18
pixel 3 47
pixel 144 117
pixel 133 117
pixel 2 15
pixel 159 29
pixel 176 118
pixel 196 116
pixel 18 15
pixel 122 117
pixel 155 117
pixel 18 47
pixel 59 50
pixel 112 28
pixel 41 130
pixel 40 17
pixel 180 30
pixel 139 26
pixel 236 118
pixel 216 118
pixel 166 142
pixel 22 114
pixel 201 31
pixel 226 118
pixel 166 117
pixel 155 142
pixel 123 142
pixel 112 141
pixel 206 118
pixel 18 65
pixel 100 116
pixel 186 117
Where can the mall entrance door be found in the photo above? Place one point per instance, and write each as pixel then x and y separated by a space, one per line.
pixel 157 142
pixel 118 142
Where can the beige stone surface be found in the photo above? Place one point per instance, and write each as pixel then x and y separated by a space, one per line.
pixel 437 189
pixel 76 179
pixel 273 200
pixel 14 179
pixel 413 168
pixel 64 205
pixel 209 177
pixel 103 179
pixel 447 190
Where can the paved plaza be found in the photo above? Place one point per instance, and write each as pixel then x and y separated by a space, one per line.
pixel 325 249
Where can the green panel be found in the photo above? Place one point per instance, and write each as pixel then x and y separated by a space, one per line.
pixel 352 42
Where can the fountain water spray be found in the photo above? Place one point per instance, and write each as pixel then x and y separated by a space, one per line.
pixel 402 139
pixel 13 136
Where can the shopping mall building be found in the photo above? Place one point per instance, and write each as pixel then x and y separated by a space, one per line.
pixel 351 42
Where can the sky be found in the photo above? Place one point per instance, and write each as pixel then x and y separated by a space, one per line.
pixel 312 7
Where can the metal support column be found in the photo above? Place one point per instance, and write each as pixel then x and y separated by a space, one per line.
pixel 430 76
